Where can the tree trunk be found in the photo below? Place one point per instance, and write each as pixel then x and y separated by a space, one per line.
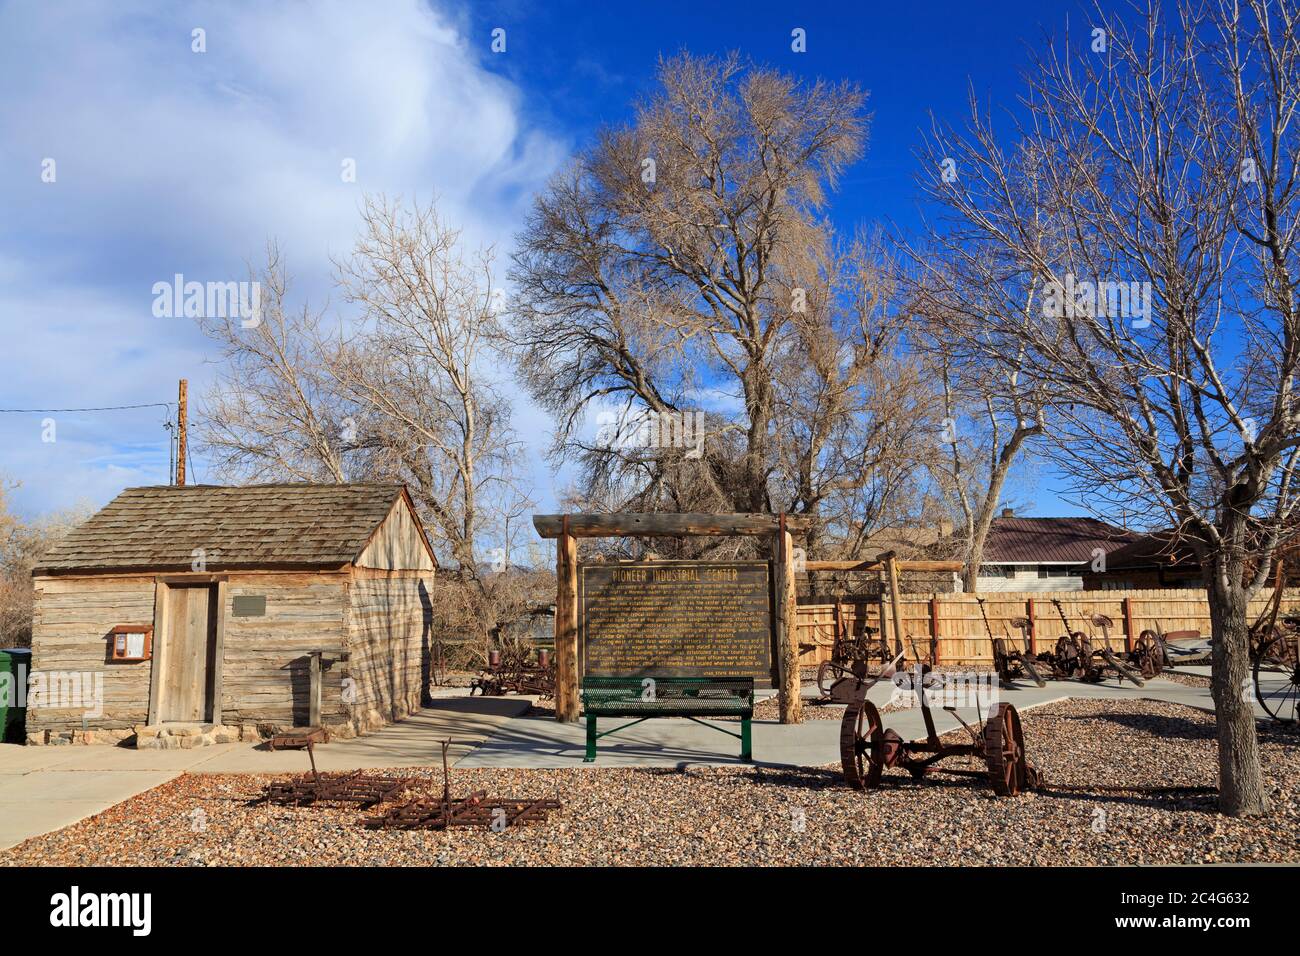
pixel 1241 780
pixel 975 552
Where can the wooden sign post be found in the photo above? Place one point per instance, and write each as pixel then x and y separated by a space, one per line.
pixel 566 529
pixel 566 626
pixel 789 698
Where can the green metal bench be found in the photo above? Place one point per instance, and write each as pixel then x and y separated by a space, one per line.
pixel 648 697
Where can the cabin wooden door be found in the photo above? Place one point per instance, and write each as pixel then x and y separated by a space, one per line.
pixel 185 688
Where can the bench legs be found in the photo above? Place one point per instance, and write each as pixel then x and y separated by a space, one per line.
pixel 746 744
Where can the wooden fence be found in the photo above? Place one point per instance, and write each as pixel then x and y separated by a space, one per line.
pixel 954 621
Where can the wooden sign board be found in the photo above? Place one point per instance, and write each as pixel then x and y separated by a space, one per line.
pixel 676 619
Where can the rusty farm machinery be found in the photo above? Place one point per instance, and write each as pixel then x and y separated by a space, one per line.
pixel 511 670
pixel 1277 672
pixel 420 810
pixel 1012 663
pixel 318 789
pixel 853 658
pixel 1077 657
pixel 427 812
pixel 868 748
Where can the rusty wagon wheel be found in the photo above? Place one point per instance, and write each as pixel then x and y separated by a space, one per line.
pixel 1154 637
pixel 862 745
pixel 1149 652
pixel 1004 752
pixel 1279 656
pixel 1069 654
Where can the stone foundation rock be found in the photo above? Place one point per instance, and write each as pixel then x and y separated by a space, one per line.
pixel 185 737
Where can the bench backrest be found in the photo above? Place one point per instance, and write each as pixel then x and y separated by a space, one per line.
pixel 684 695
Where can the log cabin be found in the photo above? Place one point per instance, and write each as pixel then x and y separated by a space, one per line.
pixel 179 616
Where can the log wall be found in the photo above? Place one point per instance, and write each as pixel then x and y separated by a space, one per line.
pixel 265 674
pixel 72 618
pixel 389 641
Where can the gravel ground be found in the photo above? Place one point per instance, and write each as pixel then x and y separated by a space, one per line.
pixel 1190 680
pixel 1128 782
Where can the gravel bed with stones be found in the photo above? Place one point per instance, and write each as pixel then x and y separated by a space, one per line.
pixel 1128 782
pixel 1189 680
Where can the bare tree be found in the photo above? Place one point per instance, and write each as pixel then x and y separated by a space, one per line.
pixel 681 265
pixel 1151 197
pixel 400 391
pixel 416 370
pixel 989 418
pixel 22 543
pixel 272 413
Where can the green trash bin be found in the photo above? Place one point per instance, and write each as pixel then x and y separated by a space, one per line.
pixel 15 666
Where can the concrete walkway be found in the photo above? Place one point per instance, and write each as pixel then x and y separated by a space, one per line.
pixel 541 742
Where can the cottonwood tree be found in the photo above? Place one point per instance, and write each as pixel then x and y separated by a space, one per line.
pixel 1156 157
pixel 272 412
pixel 681 264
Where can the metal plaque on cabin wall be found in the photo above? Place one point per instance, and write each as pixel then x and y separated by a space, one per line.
pixel 676 619
pixel 249 605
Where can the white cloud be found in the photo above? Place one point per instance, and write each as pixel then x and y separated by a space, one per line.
pixel 174 161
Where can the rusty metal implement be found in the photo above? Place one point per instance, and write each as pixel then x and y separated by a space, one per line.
pixel 319 789
pixel 510 671
pixel 867 747
pixel 1011 663
pixel 427 812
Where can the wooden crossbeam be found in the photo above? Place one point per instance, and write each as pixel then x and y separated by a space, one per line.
pixel 667 525
pixel 875 565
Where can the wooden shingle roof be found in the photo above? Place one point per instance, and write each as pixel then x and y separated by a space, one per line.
pixel 286 525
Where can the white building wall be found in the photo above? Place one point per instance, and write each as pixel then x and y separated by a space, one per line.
pixel 1027 579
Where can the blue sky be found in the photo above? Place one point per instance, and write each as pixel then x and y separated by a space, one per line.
pixel 173 161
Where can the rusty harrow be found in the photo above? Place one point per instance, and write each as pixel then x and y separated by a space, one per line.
pixel 356 788
pixel 317 789
pixel 426 812
pixel 476 810
pixel 867 748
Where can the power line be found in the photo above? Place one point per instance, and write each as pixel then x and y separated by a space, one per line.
pixel 105 408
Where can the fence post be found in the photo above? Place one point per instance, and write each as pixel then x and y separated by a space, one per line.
pixel 787 627
pixel 1128 624
pixel 934 628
